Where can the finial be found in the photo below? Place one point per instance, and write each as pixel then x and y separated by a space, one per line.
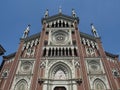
pixel 94 31
pixel 26 31
pixel 46 13
pixel 60 10
pixel 73 13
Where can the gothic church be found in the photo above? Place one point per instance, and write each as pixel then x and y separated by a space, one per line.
pixel 60 57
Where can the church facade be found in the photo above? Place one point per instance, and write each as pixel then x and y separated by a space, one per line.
pixel 60 57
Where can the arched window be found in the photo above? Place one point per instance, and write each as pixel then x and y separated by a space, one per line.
pixel 44 52
pixel 49 52
pixel 56 25
pixel 99 85
pixel 75 52
pixel 70 51
pixel 53 52
pixel 21 85
pixel 63 52
pixel 60 24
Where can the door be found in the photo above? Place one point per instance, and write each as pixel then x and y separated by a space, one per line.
pixel 59 88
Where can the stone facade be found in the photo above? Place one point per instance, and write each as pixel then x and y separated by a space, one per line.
pixel 60 57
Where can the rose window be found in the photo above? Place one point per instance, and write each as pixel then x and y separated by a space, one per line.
pixel 94 66
pixel 60 37
pixel 26 67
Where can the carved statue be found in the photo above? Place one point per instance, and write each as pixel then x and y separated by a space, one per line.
pixel 60 10
pixel 46 14
pixel 94 31
pixel 26 31
pixel 73 13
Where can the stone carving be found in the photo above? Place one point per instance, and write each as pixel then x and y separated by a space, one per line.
pixel 43 64
pixel 77 64
pixel 73 13
pixel 94 31
pixel 46 14
pixel 26 67
pixel 5 73
pixel 26 32
pixel 90 51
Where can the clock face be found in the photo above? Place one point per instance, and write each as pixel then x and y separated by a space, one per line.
pixel 59 37
pixel 60 75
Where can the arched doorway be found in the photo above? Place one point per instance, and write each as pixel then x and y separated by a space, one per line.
pixel 59 88
pixel 59 75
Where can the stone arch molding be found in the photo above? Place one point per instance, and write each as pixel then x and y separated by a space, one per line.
pixel 60 66
pixel 101 79
pixel 67 70
pixel 21 85
pixel 21 80
pixel 99 84
pixel 68 67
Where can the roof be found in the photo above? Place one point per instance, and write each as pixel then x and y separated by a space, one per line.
pixel 37 35
pixel 111 55
pixel 61 16
pixel 87 36
pixel 2 50
pixel 9 56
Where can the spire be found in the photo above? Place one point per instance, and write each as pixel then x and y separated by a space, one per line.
pixel 26 31
pixel 73 13
pixel 46 13
pixel 94 31
pixel 60 10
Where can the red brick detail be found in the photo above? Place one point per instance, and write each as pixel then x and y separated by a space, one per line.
pixel 34 83
pixel 82 61
pixel 13 68
pixel 106 66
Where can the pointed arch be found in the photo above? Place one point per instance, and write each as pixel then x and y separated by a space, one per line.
pixel 99 85
pixel 44 52
pixel 58 69
pixel 21 85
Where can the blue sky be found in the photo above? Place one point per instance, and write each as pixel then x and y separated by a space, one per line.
pixel 15 15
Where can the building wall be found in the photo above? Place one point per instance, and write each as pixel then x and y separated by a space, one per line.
pixel 60 57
